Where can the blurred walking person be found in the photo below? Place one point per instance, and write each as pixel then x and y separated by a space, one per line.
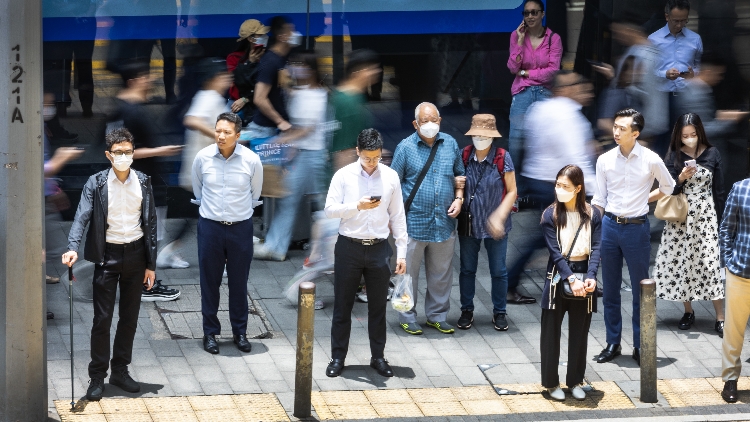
pixel 243 64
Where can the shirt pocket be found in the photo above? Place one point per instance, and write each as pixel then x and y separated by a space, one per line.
pixel 237 180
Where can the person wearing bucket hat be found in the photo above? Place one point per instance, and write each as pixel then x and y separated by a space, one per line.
pixel 243 64
pixel 490 190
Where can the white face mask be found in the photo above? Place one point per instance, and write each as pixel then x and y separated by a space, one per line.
pixel 122 162
pixel 429 130
pixel 481 142
pixel 690 142
pixel 563 195
pixel 295 39
pixel 49 112
pixel 261 40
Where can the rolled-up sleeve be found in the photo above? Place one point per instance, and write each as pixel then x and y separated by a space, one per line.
pixel 660 172
pixel 256 185
pixel 600 195
pixel 397 218
pixel 197 179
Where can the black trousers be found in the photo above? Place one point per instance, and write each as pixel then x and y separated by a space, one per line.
pixel 126 265
pixel 219 244
pixel 579 321
pixel 352 261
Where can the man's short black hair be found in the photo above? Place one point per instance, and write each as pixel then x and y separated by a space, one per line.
pixel 369 140
pixel 638 121
pixel 118 136
pixel 133 70
pixel 359 60
pixel 231 118
pixel 677 4
pixel 277 25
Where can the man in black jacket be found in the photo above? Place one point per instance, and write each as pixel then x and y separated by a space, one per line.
pixel 121 241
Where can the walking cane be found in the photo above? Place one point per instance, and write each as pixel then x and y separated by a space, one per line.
pixel 71 278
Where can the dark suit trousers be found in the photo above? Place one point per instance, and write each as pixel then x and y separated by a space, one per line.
pixel 219 244
pixel 352 261
pixel 579 321
pixel 126 265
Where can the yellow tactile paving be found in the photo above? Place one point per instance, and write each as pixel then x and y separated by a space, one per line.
pixel 168 404
pixel 448 408
pixel 343 398
pixel 353 411
pixel 128 417
pixel 123 406
pixel 397 410
pixel 178 416
pixel 388 396
pixel 212 403
pixel 431 395
pixel 474 393
pixel 485 407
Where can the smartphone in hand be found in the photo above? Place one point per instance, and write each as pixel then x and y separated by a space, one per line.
pixel 691 163
pixel 375 198
pixel 595 63
pixel 684 73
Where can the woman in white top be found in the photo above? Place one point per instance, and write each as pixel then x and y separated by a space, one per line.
pixel 572 230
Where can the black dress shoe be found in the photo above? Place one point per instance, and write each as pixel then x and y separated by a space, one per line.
pixel 719 327
pixel 609 353
pixel 637 355
pixel 687 321
pixel 335 366
pixel 210 345
pixel 96 389
pixel 242 343
pixel 729 394
pixel 381 365
pixel 122 379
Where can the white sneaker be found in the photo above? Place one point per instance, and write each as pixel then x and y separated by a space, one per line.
pixel 578 392
pixel 319 304
pixel 178 261
pixel 390 293
pixel 361 296
pixel 556 393
pixel 225 273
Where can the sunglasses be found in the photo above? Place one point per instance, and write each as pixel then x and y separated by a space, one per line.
pixel 535 12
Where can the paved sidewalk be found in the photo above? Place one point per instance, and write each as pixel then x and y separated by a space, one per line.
pixel 170 366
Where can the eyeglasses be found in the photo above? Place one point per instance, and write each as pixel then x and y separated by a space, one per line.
pixel 679 22
pixel 373 160
pixel 120 153
pixel 534 12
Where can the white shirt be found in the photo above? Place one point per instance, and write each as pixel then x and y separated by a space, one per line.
pixel 623 184
pixel 351 183
pixel 582 246
pixel 307 109
pixel 206 105
pixel 123 209
pixel 227 189
pixel 558 134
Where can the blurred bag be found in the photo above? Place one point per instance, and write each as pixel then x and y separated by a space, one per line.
pixel 464 223
pixel 403 298
pixel 672 208
pixel 59 200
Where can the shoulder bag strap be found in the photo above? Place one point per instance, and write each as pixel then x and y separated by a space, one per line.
pixel 426 168
pixel 570 251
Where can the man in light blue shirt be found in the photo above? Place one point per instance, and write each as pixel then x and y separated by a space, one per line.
pixel 680 47
pixel 227 180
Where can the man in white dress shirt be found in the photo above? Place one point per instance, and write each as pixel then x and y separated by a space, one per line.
pixel 366 195
pixel 121 241
pixel 624 177
pixel 227 179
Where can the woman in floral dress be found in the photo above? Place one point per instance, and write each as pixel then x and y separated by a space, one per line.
pixel 687 264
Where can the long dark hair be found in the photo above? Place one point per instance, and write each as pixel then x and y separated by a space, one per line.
pixel 559 213
pixel 675 146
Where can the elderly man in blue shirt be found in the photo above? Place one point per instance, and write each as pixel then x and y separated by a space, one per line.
pixel 427 163
pixel 227 180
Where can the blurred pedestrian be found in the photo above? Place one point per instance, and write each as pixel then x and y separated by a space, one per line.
pixel 535 54
pixel 430 158
pixel 366 195
pixel 572 231
pixel 243 64
pixel 227 179
pixel 687 264
pixel 121 242
pixel 624 177
pixel 308 103
pixel 490 192
pixel 734 240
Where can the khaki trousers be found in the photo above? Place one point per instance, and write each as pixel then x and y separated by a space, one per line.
pixel 737 304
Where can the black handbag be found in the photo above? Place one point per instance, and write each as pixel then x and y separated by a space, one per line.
pixel 576 267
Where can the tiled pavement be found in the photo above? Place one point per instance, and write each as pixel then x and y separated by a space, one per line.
pixel 179 367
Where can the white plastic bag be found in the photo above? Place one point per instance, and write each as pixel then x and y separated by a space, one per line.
pixel 403 298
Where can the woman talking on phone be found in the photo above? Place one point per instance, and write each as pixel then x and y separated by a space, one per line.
pixel 572 230
pixel 687 264
pixel 535 53
pixel 243 63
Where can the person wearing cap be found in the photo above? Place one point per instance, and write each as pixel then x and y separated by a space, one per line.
pixel 490 190
pixel 243 62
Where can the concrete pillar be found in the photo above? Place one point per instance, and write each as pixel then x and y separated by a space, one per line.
pixel 23 367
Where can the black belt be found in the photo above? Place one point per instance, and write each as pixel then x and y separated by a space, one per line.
pixel 626 220
pixel 135 243
pixel 364 242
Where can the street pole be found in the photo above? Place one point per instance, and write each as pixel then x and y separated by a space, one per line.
pixel 648 341
pixel 305 331
pixel 23 363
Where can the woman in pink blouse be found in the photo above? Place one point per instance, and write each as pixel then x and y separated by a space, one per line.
pixel 535 53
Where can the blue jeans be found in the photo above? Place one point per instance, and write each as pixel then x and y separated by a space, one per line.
pixel 306 172
pixel 521 102
pixel 632 242
pixel 496 250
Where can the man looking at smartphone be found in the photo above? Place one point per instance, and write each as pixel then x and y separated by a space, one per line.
pixel 121 241
pixel 366 196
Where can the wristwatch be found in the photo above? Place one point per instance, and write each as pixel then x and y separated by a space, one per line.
pixel 572 279
pixel 459 197
pixel 522 73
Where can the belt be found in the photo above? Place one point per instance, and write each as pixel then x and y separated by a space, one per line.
pixel 228 223
pixel 364 242
pixel 135 243
pixel 626 220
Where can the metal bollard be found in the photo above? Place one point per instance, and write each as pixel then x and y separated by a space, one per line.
pixel 305 329
pixel 648 341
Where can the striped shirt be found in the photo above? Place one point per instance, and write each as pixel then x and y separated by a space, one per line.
pixel 734 233
pixel 489 193
pixel 427 219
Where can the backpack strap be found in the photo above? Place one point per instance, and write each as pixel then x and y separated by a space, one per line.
pixel 499 161
pixel 466 153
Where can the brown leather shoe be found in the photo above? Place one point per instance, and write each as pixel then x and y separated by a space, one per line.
pixel 729 394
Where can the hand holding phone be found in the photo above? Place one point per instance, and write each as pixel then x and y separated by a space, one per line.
pixel 375 198
pixel 691 163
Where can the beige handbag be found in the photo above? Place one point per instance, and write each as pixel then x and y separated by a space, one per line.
pixel 672 208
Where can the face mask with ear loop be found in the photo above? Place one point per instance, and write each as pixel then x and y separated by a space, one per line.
pixel 563 195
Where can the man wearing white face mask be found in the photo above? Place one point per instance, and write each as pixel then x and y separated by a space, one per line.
pixel 427 163
pixel 121 241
